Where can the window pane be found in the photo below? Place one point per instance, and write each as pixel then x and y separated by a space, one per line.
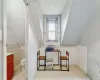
pixel 51 25
pixel 51 35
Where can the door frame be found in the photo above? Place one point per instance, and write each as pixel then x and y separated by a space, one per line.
pixel 4 39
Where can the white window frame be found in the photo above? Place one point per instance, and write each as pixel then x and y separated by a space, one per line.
pixel 56 29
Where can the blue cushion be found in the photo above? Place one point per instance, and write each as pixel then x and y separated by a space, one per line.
pixel 49 49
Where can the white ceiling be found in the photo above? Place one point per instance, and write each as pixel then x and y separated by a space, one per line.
pixel 52 7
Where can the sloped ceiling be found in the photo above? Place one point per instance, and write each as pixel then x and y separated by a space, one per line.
pixel 15 22
pixel 1 14
pixel 37 17
pixel 81 12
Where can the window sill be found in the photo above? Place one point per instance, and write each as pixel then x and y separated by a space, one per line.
pixel 52 41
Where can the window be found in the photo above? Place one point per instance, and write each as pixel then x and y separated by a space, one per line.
pixel 51 29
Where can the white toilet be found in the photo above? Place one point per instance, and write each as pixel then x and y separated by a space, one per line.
pixel 22 63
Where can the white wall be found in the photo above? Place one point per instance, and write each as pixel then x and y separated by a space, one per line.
pixel 91 39
pixel 32 46
pixel 1 59
pixel 82 58
pixel 32 55
pixel 72 52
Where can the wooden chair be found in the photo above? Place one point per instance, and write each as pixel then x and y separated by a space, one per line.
pixel 39 58
pixel 67 61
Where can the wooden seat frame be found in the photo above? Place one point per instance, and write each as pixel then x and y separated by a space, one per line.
pixel 39 58
pixel 67 61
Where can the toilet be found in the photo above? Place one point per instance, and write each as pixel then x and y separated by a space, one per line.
pixel 22 63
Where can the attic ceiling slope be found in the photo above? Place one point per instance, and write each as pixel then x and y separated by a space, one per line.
pixel 81 12
pixel 35 11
